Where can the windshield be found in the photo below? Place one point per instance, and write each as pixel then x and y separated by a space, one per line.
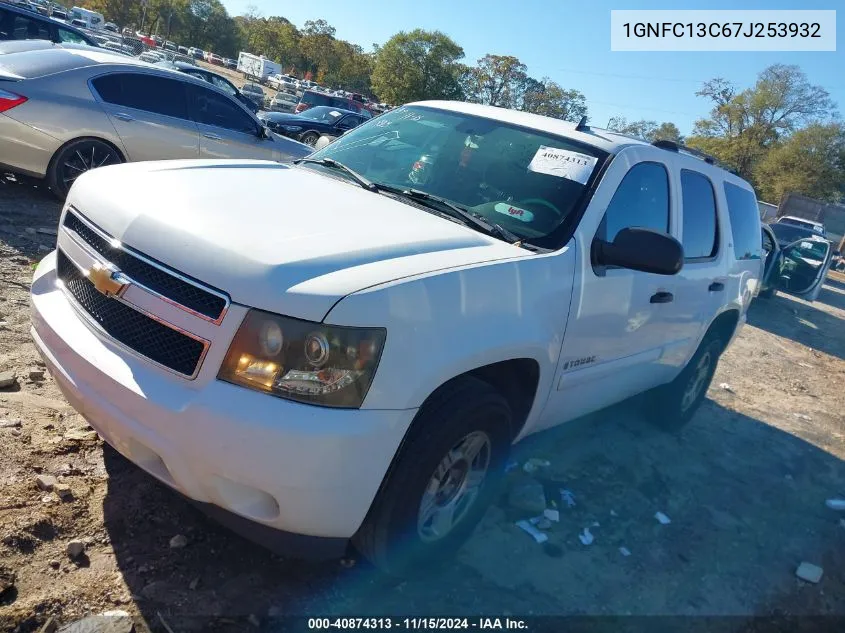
pixel 524 180
pixel 813 250
pixel 807 225
pixel 322 114
pixel 790 232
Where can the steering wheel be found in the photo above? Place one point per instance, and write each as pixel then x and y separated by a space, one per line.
pixel 541 202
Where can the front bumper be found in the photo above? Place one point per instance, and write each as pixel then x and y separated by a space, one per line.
pixel 291 467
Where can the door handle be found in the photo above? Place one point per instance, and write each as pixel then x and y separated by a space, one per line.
pixel 123 116
pixel 716 286
pixel 662 297
pixel 213 137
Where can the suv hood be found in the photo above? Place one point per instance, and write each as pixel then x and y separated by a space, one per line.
pixel 276 237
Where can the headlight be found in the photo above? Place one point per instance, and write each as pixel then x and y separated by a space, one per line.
pixel 292 128
pixel 304 361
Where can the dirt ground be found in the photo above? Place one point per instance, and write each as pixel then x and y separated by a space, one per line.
pixel 744 485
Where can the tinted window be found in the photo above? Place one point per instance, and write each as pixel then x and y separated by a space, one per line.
pixel 699 213
pixel 642 200
pixel 348 122
pixel 211 108
pixel 144 92
pixel 745 222
pixel 24 28
pixel 786 233
pixel 223 85
pixel 70 36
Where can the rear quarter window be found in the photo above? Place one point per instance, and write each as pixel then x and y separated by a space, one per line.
pixel 745 222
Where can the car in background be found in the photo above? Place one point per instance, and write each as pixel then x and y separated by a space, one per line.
pixel 255 93
pixel 313 123
pixel 282 82
pixel 151 57
pixel 111 27
pixel 196 53
pixel 80 24
pixel 19 24
pixel 214 79
pixel 182 50
pixel 59 14
pixel 65 112
pixel 119 48
pixel 215 59
pixel 816 227
pixel 230 63
pixel 284 102
pixel 794 262
pixel 312 98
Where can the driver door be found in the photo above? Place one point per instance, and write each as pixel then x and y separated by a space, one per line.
pixel 802 267
pixel 226 129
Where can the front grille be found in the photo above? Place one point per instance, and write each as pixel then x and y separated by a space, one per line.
pixel 154 278
pixel 137 331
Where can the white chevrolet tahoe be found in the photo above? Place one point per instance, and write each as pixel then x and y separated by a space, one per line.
pixel 351 361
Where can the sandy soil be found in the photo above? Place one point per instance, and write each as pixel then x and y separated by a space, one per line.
pixel 744 485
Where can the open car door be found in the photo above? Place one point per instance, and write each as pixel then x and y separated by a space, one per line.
pixel 771 259
pixel 802 266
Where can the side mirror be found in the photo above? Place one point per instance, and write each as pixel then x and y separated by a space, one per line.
pixel 262 132
pixel 646 250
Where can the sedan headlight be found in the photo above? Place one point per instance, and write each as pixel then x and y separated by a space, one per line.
pixel 292 128
pixel 299 360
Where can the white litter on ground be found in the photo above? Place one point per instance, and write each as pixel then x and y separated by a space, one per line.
pixel 835 504
pixel 552 515
pixel 526 526
pixel 662 518
pixel 809 572
pixel 624 551
pixel 567 497
pixel 802 416
pixel 726 387
pixel 586 537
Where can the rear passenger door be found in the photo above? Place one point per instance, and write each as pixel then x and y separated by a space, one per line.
pixel 150 114
pixel 226 129
pixel 701 283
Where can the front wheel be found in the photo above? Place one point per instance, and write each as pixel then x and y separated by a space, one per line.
pixel 442 481
pixel 74 159
pixel 310 138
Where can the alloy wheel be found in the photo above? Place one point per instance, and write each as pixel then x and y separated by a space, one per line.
pixel 697 381
pixel 85 157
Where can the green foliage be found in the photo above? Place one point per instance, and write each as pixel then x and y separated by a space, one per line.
pixel 418 65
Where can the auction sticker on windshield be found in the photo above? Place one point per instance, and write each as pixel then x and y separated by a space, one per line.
pixel 563 163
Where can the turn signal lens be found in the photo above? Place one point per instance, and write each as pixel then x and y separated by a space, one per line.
pixel 9 100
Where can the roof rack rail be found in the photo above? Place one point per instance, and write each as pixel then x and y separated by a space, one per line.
pixel 672 146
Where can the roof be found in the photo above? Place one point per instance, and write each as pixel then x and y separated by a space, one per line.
pixel 606 140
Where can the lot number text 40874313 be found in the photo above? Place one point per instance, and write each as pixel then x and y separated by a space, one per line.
pixel 419 623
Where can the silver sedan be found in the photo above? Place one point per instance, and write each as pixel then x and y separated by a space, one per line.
pixel 65 111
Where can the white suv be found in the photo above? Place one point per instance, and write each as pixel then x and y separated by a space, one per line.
pixel 355 359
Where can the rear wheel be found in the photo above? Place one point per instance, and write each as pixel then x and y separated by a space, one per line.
pixel 672 406
pixel 77 157
pixel 442 481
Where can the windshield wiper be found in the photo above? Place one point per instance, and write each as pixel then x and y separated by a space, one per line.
pixel 458 213
pixel 331 162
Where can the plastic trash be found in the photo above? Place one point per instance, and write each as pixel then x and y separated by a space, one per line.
pixel 552 515
pixel 534 464
pixel 624 551
pixel 835 504
pixel 586 537
pixel 662 518
pixel 567 497
pixel 802 416
pixel 526 526
pixel 809 572
pixel 726 387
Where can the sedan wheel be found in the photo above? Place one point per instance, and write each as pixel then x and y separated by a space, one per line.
pixel 310 138
pixel 77 158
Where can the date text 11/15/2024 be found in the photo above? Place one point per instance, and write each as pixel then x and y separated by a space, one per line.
pixel 418 623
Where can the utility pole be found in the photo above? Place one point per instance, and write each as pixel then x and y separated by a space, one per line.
pixel 169 18
pixel 143 14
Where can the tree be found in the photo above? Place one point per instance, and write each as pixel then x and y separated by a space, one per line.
pixel 549 99
pixel 743 125
pixel 417 65
pixel 666 131
pixel 641 129
pixel 810 162
pixel 498 80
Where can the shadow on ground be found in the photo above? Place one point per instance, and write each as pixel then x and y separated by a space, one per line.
pixel 811 324
pixel 746 503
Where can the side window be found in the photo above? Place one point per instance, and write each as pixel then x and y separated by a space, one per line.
pixel 211 108
pixel 348 122
pixel 641 200
pixel 223 85
pixel 700 236
pixel 745 222
pixel 27 29
pixel 144 92
pixel 70 36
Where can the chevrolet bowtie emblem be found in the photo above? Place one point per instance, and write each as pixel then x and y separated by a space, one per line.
pixel 107 280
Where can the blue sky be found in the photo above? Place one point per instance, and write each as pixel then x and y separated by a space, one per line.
pixel 569 41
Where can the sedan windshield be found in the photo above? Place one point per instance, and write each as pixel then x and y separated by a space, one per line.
pixel 524 180
pixel 787 233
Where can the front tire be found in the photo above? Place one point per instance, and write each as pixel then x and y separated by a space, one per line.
pixel 443 480
pixel 673 405
pixel 310 138
pixel 74 159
